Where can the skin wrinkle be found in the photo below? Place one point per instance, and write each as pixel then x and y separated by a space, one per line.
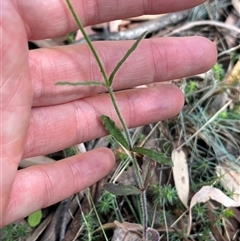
pixel 154 62
pixel 94 71
pixel 143 66
pixel 17 86
pixel 36 76
pixel 147 8
pixel 129 108
pixel 44 6
pixel 90 7
pixel 30 144
pixel 17 200
pixel 42 123
pixel 22 177
pixel 19 7
pixel 169 64
pixel 80 118
pixel 196 51
pixel 38 119
pixel 77 171
pixel 48 186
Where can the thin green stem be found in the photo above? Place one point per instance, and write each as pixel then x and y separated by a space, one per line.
pixel 98 218
pixel 143 195
pixel 124 125
pixel 144 215
pixel 88 42
pixel 135 165
pixel 86 223
pixel 137 170
pixel 125 128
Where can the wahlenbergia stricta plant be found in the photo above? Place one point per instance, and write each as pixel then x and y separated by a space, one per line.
pixel 124 139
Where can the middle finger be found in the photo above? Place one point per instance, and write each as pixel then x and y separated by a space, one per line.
pixel 154 60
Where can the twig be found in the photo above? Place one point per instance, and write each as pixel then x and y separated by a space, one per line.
pixel 228 51
pixel 149 26
pixel 205 22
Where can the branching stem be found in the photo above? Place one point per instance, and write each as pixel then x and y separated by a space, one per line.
pixel 108 82
pixel 88 42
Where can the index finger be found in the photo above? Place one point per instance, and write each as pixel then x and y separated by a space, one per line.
pixel 48 19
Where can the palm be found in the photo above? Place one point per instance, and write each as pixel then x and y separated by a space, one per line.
pixel 39 118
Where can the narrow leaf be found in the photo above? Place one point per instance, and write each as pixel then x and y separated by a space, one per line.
pixel 121 190
pixel 113 130
pixel 35 218
pixel 155 155
pixel 134 46
pixel 89 83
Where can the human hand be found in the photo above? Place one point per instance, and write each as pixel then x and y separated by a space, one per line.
pixel 39 118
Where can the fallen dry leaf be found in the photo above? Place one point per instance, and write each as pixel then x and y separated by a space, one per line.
pixel 181 175
pixel 126 226
pixel 230 179
pixel 38 160
pixel 127 232
pixel 236 4
pixel 205 194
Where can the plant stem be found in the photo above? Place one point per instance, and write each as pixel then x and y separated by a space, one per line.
pixel 135 165
pixel 125 129
pixel 88 42
pixel 96 213
pixel 144 215
pixel 143 195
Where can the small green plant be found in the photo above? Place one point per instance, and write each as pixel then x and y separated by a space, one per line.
pixel 164 195
pixel 218 71
pixel 191 87
pixel 200 211
pixel 14 232
pixel 124 139
pixel 35 218
pixel 71 37
pixel 106 203
pixel 223 214
pixel 89 223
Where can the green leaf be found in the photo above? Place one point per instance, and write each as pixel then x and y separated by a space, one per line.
pixel 121 190
pixel 134 46
pixel 88 83
pixel 113 130
pixel 155 155
pixel 35 218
